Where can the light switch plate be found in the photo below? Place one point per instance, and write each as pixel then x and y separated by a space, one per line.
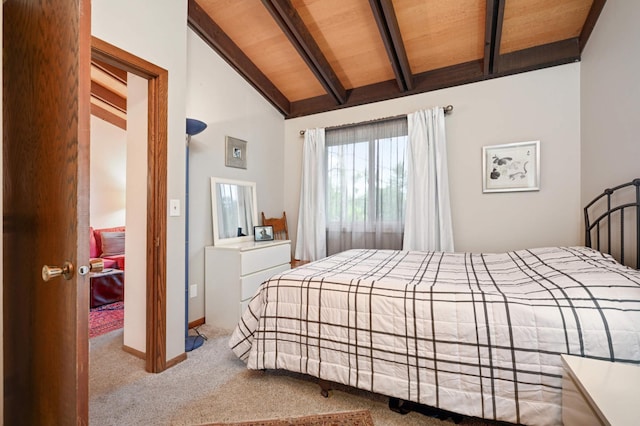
pixel 174 207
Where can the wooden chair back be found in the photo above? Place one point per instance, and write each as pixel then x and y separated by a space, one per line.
pixel 280 231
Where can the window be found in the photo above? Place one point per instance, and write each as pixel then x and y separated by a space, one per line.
pixel 366 185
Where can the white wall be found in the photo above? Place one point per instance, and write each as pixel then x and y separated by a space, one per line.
pixel 541 105
pixel 135 274
pixel 108 174
pixel 220 97
pixel 610 106
pixel 155 30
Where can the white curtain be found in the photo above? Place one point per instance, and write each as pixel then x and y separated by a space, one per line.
pixel 366 185
pixel 428 210
pixel 311 236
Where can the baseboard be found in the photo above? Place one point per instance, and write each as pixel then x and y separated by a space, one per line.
pixel 134 352
pixel 142 356
pixel 176 360
pixel 196 323
pixel 295 263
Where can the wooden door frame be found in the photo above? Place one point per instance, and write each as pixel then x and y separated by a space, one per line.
pixel 158 78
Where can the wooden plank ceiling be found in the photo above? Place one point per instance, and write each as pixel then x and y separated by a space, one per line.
pixel 310 56
pixel 109 93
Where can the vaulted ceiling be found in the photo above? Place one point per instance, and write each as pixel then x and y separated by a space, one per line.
pixel 109 93
pixel 310 56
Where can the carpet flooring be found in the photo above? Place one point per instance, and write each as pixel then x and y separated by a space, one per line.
pixel 106 318
pixel 213 386
pixel 348 418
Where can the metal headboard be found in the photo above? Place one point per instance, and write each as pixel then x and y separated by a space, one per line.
pixel 614 214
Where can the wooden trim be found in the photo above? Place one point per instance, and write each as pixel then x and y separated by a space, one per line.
pixel 112 55
pixel 156 194
pixel 114 72
pixel 295 263
pixel 196 323
pixel 157 223
pixel 293 27
pixel 134 352
pixel 387 21
pixel 177 360
pixel 590 22
pixel 108 116
pixel 83 181
pixel 534 58
pixel 100 92
pixel 493 35
pixel 424 82
pixel 558 53
pixel 212 34
pixel 456 75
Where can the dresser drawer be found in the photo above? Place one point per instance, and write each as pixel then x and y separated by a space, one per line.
pixel 264 258
pixel 249 284
pixel 233 273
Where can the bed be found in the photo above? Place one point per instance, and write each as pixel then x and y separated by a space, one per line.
pixel 476 334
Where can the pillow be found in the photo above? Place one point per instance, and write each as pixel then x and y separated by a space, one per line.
pixel 98 232
pixel 112 244
pixel 93 244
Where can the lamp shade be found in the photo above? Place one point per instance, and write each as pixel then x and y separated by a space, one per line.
pixel 195 126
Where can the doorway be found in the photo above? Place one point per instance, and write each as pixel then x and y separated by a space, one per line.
pixel 155 353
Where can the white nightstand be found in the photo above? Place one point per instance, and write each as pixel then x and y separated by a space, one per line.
pixel 599 392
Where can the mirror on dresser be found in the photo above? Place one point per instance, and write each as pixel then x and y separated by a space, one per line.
pixel 234 210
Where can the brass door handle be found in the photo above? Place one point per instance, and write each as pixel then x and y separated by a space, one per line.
pixel 49 272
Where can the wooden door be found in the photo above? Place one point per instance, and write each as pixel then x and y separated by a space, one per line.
pixel 46 86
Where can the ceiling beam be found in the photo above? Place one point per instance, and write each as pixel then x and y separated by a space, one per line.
pixel 387 22
pixel 493 35
pixel 549 55
pixel 538 57
pixel 98 110
pixel 212 34
pixel 108 96
pixel 590 22
pixel 424 82
pixel 293 27
pixel 113 71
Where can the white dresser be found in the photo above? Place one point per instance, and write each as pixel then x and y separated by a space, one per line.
pixel 598 392
pixel 233 273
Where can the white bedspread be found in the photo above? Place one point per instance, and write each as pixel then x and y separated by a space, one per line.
pixel 476 334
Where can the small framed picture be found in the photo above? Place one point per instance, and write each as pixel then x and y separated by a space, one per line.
pixel 511 167
pixel 235 153
pixel 263 233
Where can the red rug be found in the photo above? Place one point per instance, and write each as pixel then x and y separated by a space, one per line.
pixel 106 318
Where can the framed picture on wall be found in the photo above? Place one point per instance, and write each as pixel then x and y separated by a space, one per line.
pixel 235 153
pixel 511 167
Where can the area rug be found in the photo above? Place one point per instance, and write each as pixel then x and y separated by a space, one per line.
pixel 348 418
pixel 106 318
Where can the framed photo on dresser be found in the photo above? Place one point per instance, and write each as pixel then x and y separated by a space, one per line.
pixel 263 233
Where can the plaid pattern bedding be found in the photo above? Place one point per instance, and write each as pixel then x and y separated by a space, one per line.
pixel 476 334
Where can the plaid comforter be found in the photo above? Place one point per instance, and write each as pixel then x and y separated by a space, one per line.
pixel 476 334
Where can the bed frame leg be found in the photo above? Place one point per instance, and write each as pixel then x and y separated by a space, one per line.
pixel 325 387
pixel 398 406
